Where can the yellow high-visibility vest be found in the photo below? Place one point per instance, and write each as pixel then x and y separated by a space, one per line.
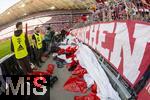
pixel 38 40
pixel 32 44
pixel 19 44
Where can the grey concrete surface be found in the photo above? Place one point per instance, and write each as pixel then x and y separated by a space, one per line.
pixel 58 92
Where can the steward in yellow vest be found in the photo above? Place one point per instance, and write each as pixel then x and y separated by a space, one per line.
pixel 37 39
pixel 20 46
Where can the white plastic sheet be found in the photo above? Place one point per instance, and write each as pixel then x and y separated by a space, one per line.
pixel 68 60
pixel 87 59
pixel 89 80
pixel 63 56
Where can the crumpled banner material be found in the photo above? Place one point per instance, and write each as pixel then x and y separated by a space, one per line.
pixel 75 84
pixel 79 71
pixel 88 60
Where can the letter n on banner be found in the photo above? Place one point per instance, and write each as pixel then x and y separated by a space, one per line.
pixel 132 59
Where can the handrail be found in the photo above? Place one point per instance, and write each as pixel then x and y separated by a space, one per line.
pixel 6 57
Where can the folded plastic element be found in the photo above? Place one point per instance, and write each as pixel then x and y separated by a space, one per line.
pixel 61 51
pixel 50 68
pixel 88 60
pixel 75 84
pixel 71 66
pixel 79 71
pixel 70 52
pixel 71 49
pixel 94 88
pixel 90 96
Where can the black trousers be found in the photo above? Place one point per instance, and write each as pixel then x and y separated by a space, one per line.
pixel 39 55
pixel 24 63
pixel 36 56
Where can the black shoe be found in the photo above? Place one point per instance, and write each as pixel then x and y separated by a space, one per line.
pixel 53 79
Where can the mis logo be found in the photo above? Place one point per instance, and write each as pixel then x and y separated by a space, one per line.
pixel 24 86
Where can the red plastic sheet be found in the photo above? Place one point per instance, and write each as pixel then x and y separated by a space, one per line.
pixel 50 68
pixel 71 56
pixel 90 96
pixel 71 49
pixel 70 52
pixel 61 51
pixel 75 84
pixel 79 71
pixel 94 88
pixel 71 64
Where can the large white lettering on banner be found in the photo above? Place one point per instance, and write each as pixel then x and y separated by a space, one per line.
pixel 131 60
pixel 126 45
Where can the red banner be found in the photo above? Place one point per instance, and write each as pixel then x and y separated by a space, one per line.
pixel 125 45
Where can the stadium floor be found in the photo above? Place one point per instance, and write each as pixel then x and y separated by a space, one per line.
pixel 58 92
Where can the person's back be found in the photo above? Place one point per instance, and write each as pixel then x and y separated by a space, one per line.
pixel 20 49
pixel 20 46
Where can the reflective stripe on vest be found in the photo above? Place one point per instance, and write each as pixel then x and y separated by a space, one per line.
pixel 38 41
pixel 20 48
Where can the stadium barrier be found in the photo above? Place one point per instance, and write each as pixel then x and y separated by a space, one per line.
pixel 9 65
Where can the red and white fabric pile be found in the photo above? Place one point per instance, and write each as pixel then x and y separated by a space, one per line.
pixel 87 75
